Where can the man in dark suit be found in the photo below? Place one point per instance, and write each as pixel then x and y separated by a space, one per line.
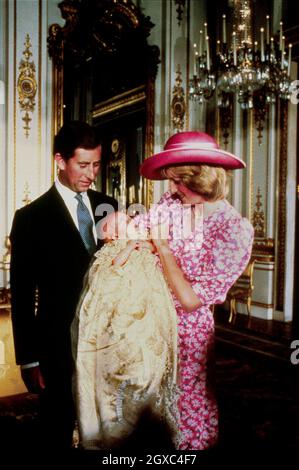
pixel 52 241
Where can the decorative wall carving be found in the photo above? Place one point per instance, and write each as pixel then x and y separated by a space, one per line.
pixel 263 248
pixel 180 4
pixel 178 104
pixel 27 85
pixel 110 23
pixel 225 118
pixel 259 217
pixel 261 110
pixel 26 199
pixel 56 39
pixel 116 170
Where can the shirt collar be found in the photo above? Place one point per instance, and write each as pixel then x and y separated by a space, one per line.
pixel 65 192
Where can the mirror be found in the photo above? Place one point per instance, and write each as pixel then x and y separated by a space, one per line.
pixel 104 73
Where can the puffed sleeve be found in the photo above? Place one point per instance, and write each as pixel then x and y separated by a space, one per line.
pixel 224 262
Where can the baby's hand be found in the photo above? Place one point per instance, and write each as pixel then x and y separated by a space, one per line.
pixel 146 244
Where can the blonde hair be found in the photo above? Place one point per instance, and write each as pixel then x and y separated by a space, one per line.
pixel 210 182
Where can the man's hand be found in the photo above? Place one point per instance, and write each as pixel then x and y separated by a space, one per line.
pixel 33 379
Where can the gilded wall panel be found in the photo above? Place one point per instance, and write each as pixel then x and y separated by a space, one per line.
pixel 27 96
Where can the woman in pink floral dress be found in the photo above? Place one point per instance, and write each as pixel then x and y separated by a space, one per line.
pixel 199 263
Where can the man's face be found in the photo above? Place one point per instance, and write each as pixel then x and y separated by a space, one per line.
pixel 81 170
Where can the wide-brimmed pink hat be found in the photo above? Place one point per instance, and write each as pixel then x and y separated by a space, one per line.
pixel 191 148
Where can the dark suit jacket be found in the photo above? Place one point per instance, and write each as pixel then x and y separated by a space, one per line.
pixel 48 264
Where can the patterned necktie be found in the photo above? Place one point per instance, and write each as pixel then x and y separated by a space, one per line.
pixel 85 225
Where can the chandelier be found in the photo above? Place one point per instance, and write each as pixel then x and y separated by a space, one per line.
pixel 256 71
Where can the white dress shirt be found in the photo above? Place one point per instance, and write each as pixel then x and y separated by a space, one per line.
pixel 69 198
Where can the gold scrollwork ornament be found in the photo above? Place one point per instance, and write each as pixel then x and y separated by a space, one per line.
pixel 115 146
pixel 27 86
pixel 178 105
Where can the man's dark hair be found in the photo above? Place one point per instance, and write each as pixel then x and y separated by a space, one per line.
pixel 73 135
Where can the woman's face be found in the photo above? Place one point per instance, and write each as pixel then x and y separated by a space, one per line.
pixel 187 196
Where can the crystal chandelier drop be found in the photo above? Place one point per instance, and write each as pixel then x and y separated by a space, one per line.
pixel 250 70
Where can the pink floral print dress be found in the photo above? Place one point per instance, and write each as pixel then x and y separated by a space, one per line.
pixel 211 267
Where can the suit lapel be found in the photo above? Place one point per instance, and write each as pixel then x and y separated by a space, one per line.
pixel 93 202
pixel 63 218
pixel 96 199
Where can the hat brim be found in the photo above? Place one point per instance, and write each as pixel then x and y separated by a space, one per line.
pixel 151 167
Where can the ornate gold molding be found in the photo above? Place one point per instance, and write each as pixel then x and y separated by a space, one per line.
pixel 283 155
pixel 110 25
pixel 57 33
pixel 55 45
pixel 56 40
pixel 110 21
pixel 146 94
pixel 264 249
pixel 257 304
pixel 267 270
pixel 26 200
pixel 129 98
pixel 116 171
pixel 261 304
pixel 148 186
pixel 259 217
pixel 261 109
pixel 178 104
pixel 180 4
pixel 225 116
pixel 27 85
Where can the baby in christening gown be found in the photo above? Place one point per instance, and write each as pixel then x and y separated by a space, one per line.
pixel 127 340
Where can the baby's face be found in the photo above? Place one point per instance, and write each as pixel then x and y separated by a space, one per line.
pixel 115 226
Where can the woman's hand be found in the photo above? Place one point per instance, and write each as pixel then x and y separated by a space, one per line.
pixel 175 277
pixel 159 235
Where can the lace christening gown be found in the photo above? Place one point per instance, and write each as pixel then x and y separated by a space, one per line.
pixel 126 354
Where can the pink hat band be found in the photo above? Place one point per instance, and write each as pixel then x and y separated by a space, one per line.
pixel 192 147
